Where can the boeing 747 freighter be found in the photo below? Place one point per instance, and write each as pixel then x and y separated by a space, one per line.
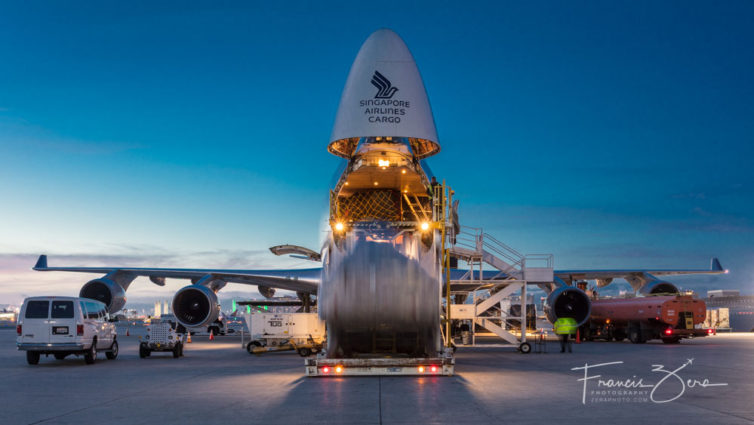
pixel 381 274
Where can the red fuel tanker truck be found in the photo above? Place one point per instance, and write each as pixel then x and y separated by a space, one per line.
pixel 666 317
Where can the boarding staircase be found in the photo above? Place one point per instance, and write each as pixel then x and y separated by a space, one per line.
pixel 511 272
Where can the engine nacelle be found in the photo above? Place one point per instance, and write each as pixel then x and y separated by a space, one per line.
pixel 266 291
pixel 196 305
pixel 568 301
pixel 106 291
pixel 658 287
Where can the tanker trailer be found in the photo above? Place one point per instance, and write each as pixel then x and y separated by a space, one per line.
pixel 666 317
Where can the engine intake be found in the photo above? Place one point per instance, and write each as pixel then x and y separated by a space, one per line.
pixel 567 301
pixel 658 287
pixel 106 291
pixel 196 305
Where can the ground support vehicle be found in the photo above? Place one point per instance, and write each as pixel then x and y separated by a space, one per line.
pixel 666 317
pixel 323 366
pixel 301 332
pixel 162 336
pixel 64 326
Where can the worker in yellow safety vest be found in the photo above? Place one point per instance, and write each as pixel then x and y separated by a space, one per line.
pixel 564 327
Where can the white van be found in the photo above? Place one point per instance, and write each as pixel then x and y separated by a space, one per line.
pixel 63 326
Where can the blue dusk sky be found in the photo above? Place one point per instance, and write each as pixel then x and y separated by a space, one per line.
pixel 194 134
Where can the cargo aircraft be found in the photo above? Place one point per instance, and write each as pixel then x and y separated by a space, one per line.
pixel 381 267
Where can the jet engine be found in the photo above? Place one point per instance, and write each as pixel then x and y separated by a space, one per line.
pixel 196 305
pixel 105 290
pixel 658 287
pixel 266 291
pixel 568 301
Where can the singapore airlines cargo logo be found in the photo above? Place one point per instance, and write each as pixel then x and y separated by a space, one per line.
pixel 383 108
pixel 385 89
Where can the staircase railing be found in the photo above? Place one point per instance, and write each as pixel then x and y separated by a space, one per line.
pixel 476 240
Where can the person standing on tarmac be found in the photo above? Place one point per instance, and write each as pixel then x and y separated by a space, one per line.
pixel 564 327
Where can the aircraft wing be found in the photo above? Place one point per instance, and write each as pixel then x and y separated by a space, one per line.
pixel 631 274
pixel 299 280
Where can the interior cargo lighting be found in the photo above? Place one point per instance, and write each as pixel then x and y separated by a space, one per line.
pixel 668 331
pixel 421 369
pixel 383 163
pixel 433 369
pixel 338 369
pixel 339 226
pixel 424 226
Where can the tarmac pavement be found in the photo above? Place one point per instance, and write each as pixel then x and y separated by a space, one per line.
pixel 218 382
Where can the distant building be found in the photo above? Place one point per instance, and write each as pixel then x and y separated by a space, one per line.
pixel 741 308
pixel 160 308
pixel 723 293
pixel 7 317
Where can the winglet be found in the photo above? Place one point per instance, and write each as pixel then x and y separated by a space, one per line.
pixel 41 263
pixel 716 266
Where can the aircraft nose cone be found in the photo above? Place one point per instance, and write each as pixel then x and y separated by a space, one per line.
pixel 384 96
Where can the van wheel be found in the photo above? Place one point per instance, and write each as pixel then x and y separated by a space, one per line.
pixel 60 356
pixel 32 357
pixel 177 351
pixel 113 353
pixel 91 354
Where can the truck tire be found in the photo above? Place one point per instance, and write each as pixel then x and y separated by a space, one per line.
pixel 32 357
pixel 177 351
pixel 619 336
pixel 60 356
pixel 635 336
pixel 143 351
pixel 304 352
pixel 250 346
pixel 112 354
pixel 91 354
